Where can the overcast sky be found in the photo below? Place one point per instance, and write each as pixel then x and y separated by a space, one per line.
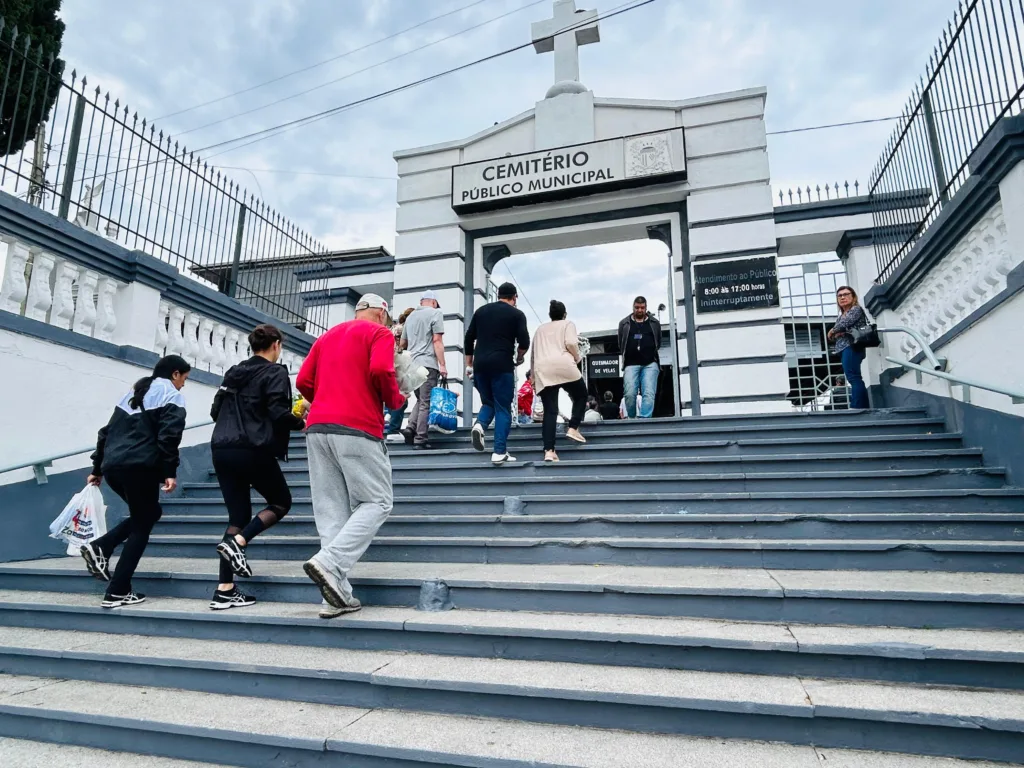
pixel 823 61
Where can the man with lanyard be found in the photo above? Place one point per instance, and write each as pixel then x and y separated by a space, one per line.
pixel 639 339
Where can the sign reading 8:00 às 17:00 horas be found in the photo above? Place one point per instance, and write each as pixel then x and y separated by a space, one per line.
pixel 728 286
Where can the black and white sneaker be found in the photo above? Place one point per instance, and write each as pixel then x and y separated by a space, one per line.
pixel 95 561
pixel 234 554
pixel 233 599
pixel 116 601
pixel 501 459
pixel 478 437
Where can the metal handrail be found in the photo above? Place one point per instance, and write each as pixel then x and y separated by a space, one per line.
pixel 938 369
pixel 39 466
pixel 938 363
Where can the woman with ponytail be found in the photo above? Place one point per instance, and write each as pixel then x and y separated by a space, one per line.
pixel 137 453
pixel 253 411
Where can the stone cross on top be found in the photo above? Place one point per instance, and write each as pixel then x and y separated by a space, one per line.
pixel 564 34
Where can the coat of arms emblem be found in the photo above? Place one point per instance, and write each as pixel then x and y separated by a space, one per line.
pixel 647 156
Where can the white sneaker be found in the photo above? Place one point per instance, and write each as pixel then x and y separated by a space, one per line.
pixel 497 459
pixel 396 437
pixel 478 437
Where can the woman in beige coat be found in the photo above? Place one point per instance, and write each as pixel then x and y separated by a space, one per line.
pixel 555 363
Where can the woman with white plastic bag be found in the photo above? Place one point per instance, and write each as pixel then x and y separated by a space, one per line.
pixel 137 454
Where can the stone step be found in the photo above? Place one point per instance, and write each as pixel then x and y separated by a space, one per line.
pixel 886 598
pixel 877 442
pixel 572 464
pixel 924 499
pixel 514 482
pixel 882 525
pixel 177 723
pixel 934 720
pixel 799 554
pixel 19 753
pixel 975 658
pixel 658 431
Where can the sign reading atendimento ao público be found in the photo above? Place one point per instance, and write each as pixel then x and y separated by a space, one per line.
pixel 727 286
pixel 557 174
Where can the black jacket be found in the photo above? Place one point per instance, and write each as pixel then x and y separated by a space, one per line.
pixel 253 408
pixel 146 437
pixel 624 334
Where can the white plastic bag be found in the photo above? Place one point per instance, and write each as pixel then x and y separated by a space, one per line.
pixel 83 519
pixel 410 376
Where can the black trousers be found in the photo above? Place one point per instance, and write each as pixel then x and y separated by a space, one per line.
pixel 140 489
pixel 577 390
pixel 239 471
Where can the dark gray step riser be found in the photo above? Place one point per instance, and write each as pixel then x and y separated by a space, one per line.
pixel 803 610
pixel 401 457
pixel 571 505
pixel 321 634
pixel 514 483
pixel 122 736
pixel 557 554
pixel 622 715
pixel 676 432
pixel 789 422
pixel 478 467
pixel 214 525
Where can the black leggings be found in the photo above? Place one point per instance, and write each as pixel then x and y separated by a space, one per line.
pixel 549 397
pixel 239 470
pixel 140 489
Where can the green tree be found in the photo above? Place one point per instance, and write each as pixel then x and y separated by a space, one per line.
pixel 36 67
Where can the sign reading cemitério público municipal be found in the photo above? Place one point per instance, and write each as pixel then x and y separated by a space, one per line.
pixel 728 286
pixel 554 174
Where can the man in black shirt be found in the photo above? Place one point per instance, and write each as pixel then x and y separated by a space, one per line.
pixel 639 339
pixel 609 409
pixel 496 342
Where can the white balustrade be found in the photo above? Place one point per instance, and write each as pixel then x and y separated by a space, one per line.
pixel 62 311
pixel 85 302
pixel 219 362
pixel 39 299
pixel 231 353
pixel 106 320
pixel 14 288
pixel 206 352
pixel 160 345
pixel 191 334
pixel 964 280
pixel 175 335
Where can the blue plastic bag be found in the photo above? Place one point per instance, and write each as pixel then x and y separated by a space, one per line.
pixel 444 405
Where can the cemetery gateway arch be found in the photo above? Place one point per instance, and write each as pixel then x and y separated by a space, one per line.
pixel 580 170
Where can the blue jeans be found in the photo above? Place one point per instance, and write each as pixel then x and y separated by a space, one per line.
pixel 496 393
pixel 852 358
pixel 395 419
pixel 642 379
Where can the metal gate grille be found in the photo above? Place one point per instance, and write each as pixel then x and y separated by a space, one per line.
pixel 807 287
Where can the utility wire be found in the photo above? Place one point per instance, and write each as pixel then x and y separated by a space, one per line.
pixel 318 64
pixel 280 128
pixel 361 71
pixel 519 287
pixel 262 135
pixel 834 125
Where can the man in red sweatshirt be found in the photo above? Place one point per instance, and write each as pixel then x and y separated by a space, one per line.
pixel 349 376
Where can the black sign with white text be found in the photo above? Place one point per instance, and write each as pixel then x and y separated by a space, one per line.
pixel 603 367
pixel 732 285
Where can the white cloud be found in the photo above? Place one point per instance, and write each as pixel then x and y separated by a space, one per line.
pixel 823 61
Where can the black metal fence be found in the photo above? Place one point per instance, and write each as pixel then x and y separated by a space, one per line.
pixel 975 77
pixel 69 149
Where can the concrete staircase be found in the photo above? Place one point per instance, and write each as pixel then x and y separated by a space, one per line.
pixel 843 589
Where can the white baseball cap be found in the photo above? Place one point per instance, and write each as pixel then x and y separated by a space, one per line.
pixel 372 301
pixel 430 296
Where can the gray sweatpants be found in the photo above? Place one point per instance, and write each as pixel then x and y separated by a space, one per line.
pixel 352 497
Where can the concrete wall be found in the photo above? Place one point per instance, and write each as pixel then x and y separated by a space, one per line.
pixel 55 398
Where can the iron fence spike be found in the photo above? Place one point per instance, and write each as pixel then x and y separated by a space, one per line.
pixel 781 199
pixel 3 23
pixel 28 43
pixel 14 34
